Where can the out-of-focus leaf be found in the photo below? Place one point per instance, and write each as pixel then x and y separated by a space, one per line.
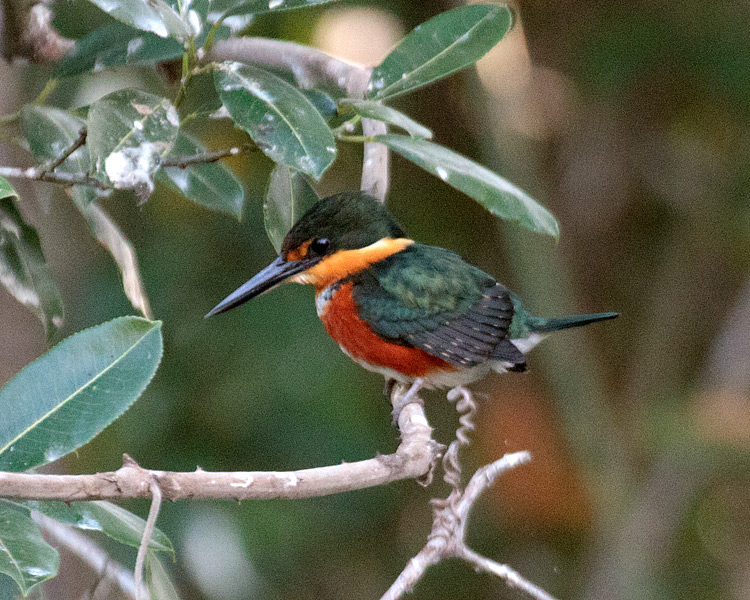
pixel 237 7
pixel 24 555
pixel 446 43
pixel 155 16
pixel 495 193
pixel 159 584
pixel 6 190
pixel 112 520
pixel 213 185
pixel 70 394
pixel 289 196
pixel 50 132
pixel 109 235
pixel 324 103
pixel 117 44
pixel 284 124
pixel 129 132
pixel 381 112
pixel 23 270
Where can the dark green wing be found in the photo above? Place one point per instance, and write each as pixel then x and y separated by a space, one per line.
pixel 430 298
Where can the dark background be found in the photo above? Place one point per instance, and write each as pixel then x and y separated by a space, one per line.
pixel 629 120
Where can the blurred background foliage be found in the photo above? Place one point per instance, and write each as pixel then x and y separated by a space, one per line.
pixel 631 122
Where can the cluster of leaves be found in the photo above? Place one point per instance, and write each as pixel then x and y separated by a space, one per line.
pixel 133 140
pixel 54 406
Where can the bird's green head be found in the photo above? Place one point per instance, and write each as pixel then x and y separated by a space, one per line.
pixel 340 235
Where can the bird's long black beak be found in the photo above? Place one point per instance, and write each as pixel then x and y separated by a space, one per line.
pixel 274 274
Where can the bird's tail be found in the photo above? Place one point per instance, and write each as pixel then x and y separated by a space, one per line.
pixel 539 325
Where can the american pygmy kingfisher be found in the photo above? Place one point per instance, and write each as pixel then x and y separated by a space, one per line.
pixel 411 312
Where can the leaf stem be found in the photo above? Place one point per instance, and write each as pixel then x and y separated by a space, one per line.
pixel 44 94
pixel 359 139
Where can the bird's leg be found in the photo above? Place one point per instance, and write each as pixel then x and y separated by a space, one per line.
pixel 401 400
pixel 390 383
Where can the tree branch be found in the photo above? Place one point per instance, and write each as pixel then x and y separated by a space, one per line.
pixel 451 515
pixel 413 458
pixel 42 174
pixel 80 141
pixel 48 174
pixel 312 68
pixel 183 162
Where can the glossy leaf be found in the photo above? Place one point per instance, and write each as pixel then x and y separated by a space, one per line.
pixel 212 185
pixel 289 196
pixel 112 520
pixel 256 7
pixel 495 193
pixel 446 43
pixel 381 112
pixel 155 16
pixel 279 118
pixel 24 555
pixel 117 44
pixel 70 394
pixel 109 235
pixel 50 132
pixel 160 586
pixel 23 270
pixel 129 133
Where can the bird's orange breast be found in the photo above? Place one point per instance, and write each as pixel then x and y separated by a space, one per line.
pixel 339 316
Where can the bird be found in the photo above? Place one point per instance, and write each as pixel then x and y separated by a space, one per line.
pixel 417 314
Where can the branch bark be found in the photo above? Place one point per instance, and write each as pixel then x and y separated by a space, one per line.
pixel 451 515
pixel 413 458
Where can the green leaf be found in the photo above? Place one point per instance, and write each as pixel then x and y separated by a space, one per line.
pixel 278 117
pixel 155 16
pixel 495 193
pixel 159 584
pixel 6 190
pixel 323 102
pixel 112 520
pixel 50 132
pixel 129 133
pixel 23 270
pixel 446 43
pixel 117 44
pixel 70 394
pixel 380 112
pixel 256 7
pixel 213 185
pixel 24 555
pixel 109 235
pixel 289 196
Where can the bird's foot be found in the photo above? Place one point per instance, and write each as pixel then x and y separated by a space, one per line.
pixel 401 400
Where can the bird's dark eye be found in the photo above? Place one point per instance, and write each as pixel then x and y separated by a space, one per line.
pixel 320 246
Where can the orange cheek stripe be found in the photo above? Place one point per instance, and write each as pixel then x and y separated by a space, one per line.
pixel 345 262
pixel 346 328
pixel 299 252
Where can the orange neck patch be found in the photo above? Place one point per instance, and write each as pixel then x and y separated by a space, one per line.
pixel 347 262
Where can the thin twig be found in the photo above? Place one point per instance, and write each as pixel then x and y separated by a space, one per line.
pixel 183 162
pixel 40 174
pixel 450 515
pixel 504 572
pixel 88 551
pixel 73 147
pixel 148 530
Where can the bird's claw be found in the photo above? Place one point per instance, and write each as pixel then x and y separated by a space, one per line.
pixel 400 400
